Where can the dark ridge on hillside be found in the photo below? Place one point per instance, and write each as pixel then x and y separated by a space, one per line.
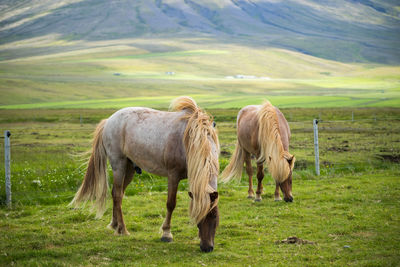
pixel 344 30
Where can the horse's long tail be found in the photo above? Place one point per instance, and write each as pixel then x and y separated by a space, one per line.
pixel 235 166
pixel 95 184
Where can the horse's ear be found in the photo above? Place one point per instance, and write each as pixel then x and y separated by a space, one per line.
pixel 290 158
pixel 213 196
pixel 190 195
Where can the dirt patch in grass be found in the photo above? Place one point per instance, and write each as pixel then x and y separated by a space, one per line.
pixel 344 148
pixel 395 158
pixel 294 240
pixel 364 234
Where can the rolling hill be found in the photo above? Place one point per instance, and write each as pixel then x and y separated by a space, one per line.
pixel 342 30
pixel 225 53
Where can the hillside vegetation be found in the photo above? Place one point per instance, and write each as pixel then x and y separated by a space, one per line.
pixel 344 30
pixel 226 54
pixel 118 73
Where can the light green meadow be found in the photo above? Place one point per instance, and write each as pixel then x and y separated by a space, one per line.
pixel 116 74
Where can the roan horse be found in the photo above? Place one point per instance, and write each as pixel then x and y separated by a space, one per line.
pixel 264 132
pixel 177 144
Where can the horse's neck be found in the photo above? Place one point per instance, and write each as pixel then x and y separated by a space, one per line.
pixel 283 129
pixel 277 145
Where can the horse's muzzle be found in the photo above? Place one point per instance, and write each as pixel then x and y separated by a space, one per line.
pixel 207 248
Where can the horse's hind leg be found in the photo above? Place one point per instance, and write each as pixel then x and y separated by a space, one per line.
pixel 260 176
pixel 129 172
pixel 249 170
pixel 277 196
pixel 120 171
pixel 171 203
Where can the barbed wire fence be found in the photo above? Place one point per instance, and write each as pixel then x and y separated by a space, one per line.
pixel 46 171
pixel 350 145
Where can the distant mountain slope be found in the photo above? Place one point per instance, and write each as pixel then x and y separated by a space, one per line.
pixel 344 30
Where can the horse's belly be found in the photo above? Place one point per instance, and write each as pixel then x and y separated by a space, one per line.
pixel 149 166
pixel 147 157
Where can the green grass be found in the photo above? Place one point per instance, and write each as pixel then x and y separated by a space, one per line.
pixel 221 102
pixel 351 211
pixel 350 218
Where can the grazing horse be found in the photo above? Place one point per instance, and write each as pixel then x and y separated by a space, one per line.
pixel 177 144
pixel 264 132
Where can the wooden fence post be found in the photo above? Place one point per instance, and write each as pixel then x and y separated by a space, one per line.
pixel 7 159
pixel 316 149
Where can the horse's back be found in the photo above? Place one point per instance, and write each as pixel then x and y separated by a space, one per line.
pixel 247 128
pixel 144 135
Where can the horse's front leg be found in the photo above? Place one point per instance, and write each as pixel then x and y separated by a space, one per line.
pixel 277 196
pixel 171 203
pixel 249 170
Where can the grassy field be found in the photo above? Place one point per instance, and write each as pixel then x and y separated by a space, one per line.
pixel 351 211
pixel 118 73
pixel 51 102
pixel 354 220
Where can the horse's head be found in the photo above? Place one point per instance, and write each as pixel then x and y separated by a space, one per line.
pixel 281 169
pixel 202 151
pixel 208 226
pixel 286 184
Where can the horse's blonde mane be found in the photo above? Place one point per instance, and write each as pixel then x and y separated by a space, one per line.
pixel 271 147
pixel 202 164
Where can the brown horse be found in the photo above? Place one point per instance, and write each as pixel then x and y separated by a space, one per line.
pixel 177 144
pixel 264 132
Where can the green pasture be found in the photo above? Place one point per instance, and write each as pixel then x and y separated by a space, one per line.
pixel 354 220
pixel 119 73
pixel 223 102
pixel 351 211
pixel 53 93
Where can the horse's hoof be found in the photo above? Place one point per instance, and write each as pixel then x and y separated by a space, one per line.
pixel 278 199
pixel 250 197
pixel 121 232
pixel 257 200
pixel 166 239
